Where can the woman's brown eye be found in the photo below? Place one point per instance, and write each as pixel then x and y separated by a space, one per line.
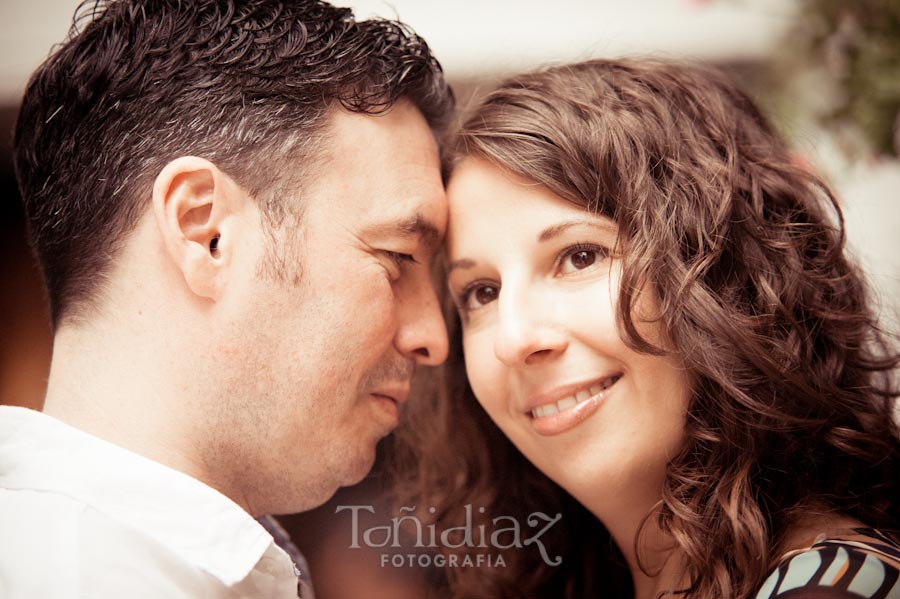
pixel 478 295
pixel 485 295
pixel 583 259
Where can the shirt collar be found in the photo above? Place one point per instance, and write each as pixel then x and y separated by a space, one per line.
pixel 200 524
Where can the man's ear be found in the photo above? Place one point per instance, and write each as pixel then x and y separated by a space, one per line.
pixel 192 203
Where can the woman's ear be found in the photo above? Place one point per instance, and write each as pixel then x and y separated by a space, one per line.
pixel 193 202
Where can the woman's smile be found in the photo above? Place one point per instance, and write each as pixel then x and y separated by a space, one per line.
pixel 566 406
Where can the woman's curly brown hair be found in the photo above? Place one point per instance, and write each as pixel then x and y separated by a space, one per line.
pixel 794 390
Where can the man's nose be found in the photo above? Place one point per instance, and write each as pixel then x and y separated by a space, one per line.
pixel 422 333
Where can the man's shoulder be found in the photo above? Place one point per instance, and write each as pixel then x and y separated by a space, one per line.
pixel 59 546
pixel 39 544
pixel 92 514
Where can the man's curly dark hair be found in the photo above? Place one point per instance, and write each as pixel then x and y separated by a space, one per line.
pixel 247 85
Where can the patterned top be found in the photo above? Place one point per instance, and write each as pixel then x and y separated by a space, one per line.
pixel 865 564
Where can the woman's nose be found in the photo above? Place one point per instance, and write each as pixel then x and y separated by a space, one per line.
pixel 527 333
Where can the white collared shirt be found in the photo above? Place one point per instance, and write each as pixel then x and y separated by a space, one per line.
pixel 82 517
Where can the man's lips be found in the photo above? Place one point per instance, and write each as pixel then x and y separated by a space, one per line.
pixel 398 394
pixel 566 397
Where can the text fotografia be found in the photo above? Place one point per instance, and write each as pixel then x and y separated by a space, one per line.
pixel 424 560
pixel 505 532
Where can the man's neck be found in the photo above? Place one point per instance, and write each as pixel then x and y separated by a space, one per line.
pixel 119 390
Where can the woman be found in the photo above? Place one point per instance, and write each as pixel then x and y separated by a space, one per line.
pixel 656 311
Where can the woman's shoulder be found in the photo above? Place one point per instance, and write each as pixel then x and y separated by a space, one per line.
pixel 862 564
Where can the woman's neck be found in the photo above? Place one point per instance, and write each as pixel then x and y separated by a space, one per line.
pixel 654 559
pixel 657 564
pixel 667 577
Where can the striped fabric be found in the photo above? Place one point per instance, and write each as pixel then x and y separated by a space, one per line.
pixel 865 564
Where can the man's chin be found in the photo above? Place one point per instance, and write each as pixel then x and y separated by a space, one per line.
pixel 315 493
pixel 352 474
pixel 360 469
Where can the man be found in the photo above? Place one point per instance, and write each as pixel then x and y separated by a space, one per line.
pixel 234 204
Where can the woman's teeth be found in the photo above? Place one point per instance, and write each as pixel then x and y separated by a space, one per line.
pixel 573 400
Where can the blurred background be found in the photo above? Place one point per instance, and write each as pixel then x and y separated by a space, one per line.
pixel 826 71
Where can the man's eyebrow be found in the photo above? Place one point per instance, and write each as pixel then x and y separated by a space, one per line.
pixel 556 230
pixel 414 226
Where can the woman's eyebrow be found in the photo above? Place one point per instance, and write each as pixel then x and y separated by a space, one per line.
pixel 556 230
pixel 545 235
pixel 463 263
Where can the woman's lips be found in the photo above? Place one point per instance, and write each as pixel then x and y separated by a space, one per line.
pixel 553 418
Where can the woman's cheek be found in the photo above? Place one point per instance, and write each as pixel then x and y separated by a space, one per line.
pixel 482 369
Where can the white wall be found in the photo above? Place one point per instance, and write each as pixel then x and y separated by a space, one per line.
pixel 474 37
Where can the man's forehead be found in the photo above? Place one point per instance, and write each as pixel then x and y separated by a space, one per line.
pixel 402 121
pixel 380 175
